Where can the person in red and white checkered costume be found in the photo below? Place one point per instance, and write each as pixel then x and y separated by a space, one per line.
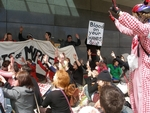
pixel 138 27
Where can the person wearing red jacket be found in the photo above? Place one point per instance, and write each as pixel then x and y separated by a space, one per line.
pixel 33 69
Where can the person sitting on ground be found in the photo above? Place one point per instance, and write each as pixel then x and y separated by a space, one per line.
pixel 121 61
pixel 124 79
pixel 25 67
pixel 77 71
pixel 20 37
pixel 56 98
pixel 111 100
pixel 104 79
pixel 70 42
pixel 32 65
pixel 115 70
pixel 91 87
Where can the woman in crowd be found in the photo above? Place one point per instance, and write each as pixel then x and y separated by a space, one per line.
pixel 56 98
pixel 22 94
pixel 77 71
pixel 38 95
pixel 10 70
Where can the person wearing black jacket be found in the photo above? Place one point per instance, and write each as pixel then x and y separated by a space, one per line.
pixel 92 85
pixel 69 41
pixel 93 50
pixel 20 37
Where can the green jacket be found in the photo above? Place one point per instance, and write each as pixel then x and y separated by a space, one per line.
pixel 115 71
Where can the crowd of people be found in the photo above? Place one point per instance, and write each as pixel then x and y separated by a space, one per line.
pixel 20 82
pixel 102 84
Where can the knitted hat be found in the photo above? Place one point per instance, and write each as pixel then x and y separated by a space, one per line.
pixel 104 76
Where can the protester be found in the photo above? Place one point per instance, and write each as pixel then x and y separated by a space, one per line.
pixel 115 70
pixel 48 38
pixel 93 50
pixel 32 65
pixel 10 71
pixel 21 95
pixel 8 37
pixel 77 71
pixel 111 100
pixel 138 27
pixel 36 88
pixel 5 65
pixel 56 98
pixel 20 37
pixel 104 79
pixel 70 42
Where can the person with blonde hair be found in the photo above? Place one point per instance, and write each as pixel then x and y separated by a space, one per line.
pixel 57 99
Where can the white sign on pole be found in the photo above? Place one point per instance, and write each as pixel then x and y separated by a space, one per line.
pixel 95 33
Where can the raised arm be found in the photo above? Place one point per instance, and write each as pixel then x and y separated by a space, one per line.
pixel 7 74
pixel 78 40
pixel 135 25
pixel 131 22
pixel 76 59
pixel 121 27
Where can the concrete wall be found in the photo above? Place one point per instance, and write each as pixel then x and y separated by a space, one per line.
pixel 62 17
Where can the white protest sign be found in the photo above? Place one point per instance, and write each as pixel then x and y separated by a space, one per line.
pixel 95 33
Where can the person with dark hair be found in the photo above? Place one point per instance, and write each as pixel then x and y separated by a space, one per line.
pixel 48 38
pixel 70 42
pixel 25 67
pixel 121 61
pixel 91 81
pixel 10 71
pixel 111 100
pixel 8 37
pixel 33 68
pixel 22 94
pixel 104 79
pixel 5 65
pixel 77 71
pixel 20 37
pixel 93 49
pixel 115 70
